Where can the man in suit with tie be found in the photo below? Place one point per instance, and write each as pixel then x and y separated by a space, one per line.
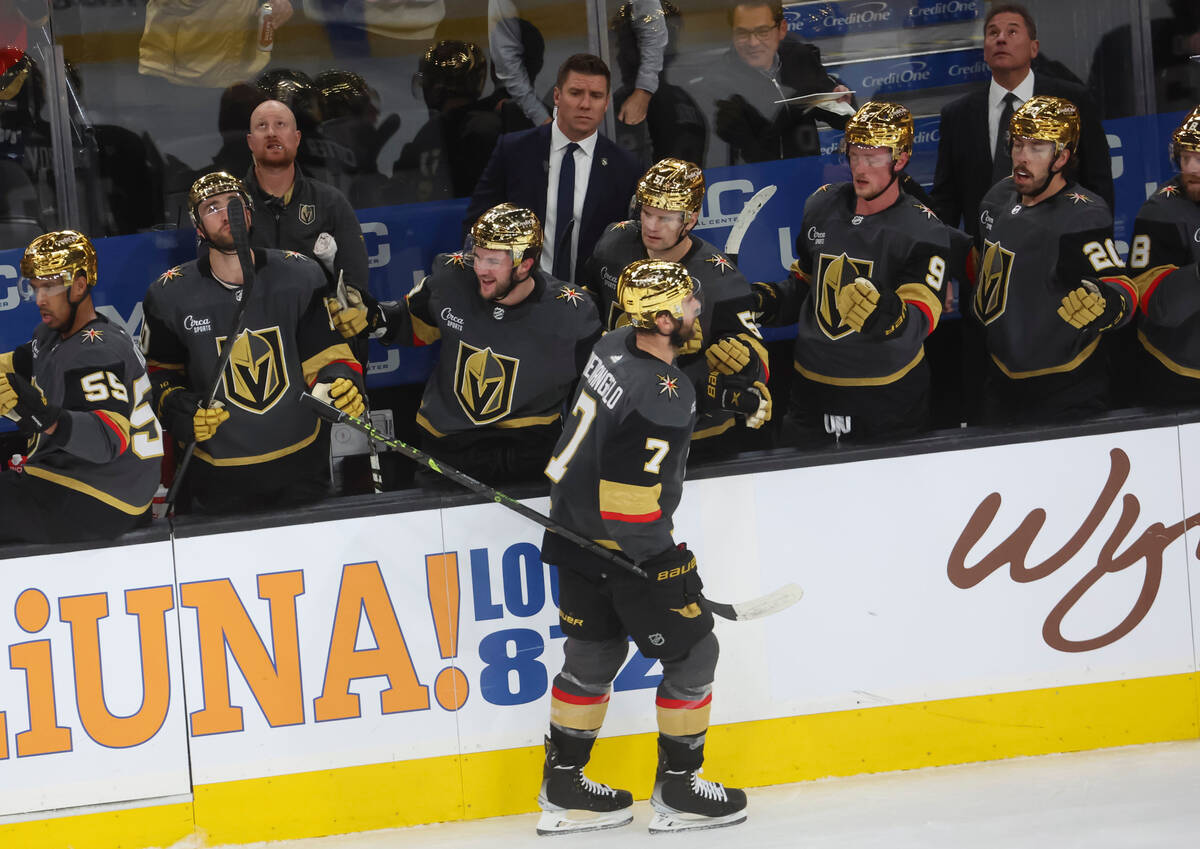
pixel 574 179
pixel 974 127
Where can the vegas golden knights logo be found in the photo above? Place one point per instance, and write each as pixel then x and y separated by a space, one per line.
pixel 991 291
pixel 484 383
pixel 255 377
pixel 832 272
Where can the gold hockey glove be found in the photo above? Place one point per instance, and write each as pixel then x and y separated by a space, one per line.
pixel 343 394
pixel 1086 305
pixel 29 407
pixel 729 355
pixel 351 319
pixel 762 415
pixel 8 395
pixel 869 311
pixel 206 420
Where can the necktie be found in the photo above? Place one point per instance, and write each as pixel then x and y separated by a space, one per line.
pixel 564 212
pixel 1002 161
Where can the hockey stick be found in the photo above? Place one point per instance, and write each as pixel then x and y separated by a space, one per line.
pixel 772 602
pixel 237 228
pixel 745 218
pixel 343 300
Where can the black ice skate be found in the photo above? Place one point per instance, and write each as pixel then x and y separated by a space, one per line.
pixel 684 801
pixel 572 802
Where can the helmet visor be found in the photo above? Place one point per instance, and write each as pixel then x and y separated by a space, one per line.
pixel 30 287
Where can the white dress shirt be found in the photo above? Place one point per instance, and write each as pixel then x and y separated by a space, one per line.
pixel 583 169
pixel 996 92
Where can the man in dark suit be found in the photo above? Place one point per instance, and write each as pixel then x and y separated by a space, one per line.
pixel 974 127
pixel 575 196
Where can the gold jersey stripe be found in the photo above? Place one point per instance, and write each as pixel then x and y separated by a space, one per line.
pixel 1041 372
pixel 86 489
pixel 1183 371
pixel 1142 281
pixel 311 366
pixel 427 333
pixel 529 421
pixel 629 500
pixel 258 458
pixel 715 430
pixel 861 381
pixel 424 422
pixel 157 365
pixel 922 294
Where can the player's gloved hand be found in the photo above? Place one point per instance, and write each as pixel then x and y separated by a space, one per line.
pixel 351 319
pixel 26 404
pixel 736 395
pixel 869 311
pixel 1086 305
pixel 206 420
pixel 675 581
pixel 342 393
pixel 325 250
pixel 766 302
pixel 730 355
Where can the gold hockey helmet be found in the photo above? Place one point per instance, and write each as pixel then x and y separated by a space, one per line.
pixel 879 124
pixel 1047 119
pixel 1186 136
pixel 211 185
pixel 649 286
pixel 510 228
pixel 14 70
pixel 672 184
pixel 64 254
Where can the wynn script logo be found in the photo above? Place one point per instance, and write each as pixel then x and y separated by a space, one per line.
pixel 1146 551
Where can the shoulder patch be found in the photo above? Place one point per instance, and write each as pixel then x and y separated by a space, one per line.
pixel 293 255
pixel 458 258
pixel 170 274
pixel 91 335
pixel 668 385
pixel 621 225
pixel 720 262
pixel 929 213
pixel 571 294
pixel 1079 197
pixel 1169 190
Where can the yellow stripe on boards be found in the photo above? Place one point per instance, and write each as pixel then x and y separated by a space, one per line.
pixel 749 754
pixel 130 828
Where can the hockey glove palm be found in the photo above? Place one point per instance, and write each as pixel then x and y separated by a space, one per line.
pixel 675 581
pixel 206 420
pixel 869 311
pixel 351 319
pixel 343 394
pixel 26 404
pixel 1086 305
pixel 731 355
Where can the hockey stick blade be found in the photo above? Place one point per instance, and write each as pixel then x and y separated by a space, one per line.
pixel 746 217
pixel 756 608
pixel 772 602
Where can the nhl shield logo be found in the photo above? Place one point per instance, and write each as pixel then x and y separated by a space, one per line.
pixel 255 378
pixel 484 383
pixel 307 213
pixel 991 290
pixel 832 272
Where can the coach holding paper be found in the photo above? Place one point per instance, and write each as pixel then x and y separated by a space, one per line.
pixel 576 181
pixel 974 127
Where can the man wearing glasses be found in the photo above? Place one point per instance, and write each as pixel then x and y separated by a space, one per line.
pixel 764 66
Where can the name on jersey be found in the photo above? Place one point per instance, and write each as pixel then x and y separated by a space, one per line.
pixel 452 321
pixel 197 325
pixel 601 381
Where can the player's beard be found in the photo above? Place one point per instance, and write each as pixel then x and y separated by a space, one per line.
pixel 513 280
pixel 895 177
pixel 680 335
pixel 1191 186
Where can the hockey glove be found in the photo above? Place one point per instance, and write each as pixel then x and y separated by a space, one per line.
pixel 207 419
pixel 26 404
pixel 721 392
pixel 343 394
pixel 675 581
pixel 1086 305
pixel 350 319
pixel 766 302
pixel 730 355
pixel 869 311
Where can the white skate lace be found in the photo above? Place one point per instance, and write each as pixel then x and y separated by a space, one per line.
pixel 708 789
pixel 593 787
